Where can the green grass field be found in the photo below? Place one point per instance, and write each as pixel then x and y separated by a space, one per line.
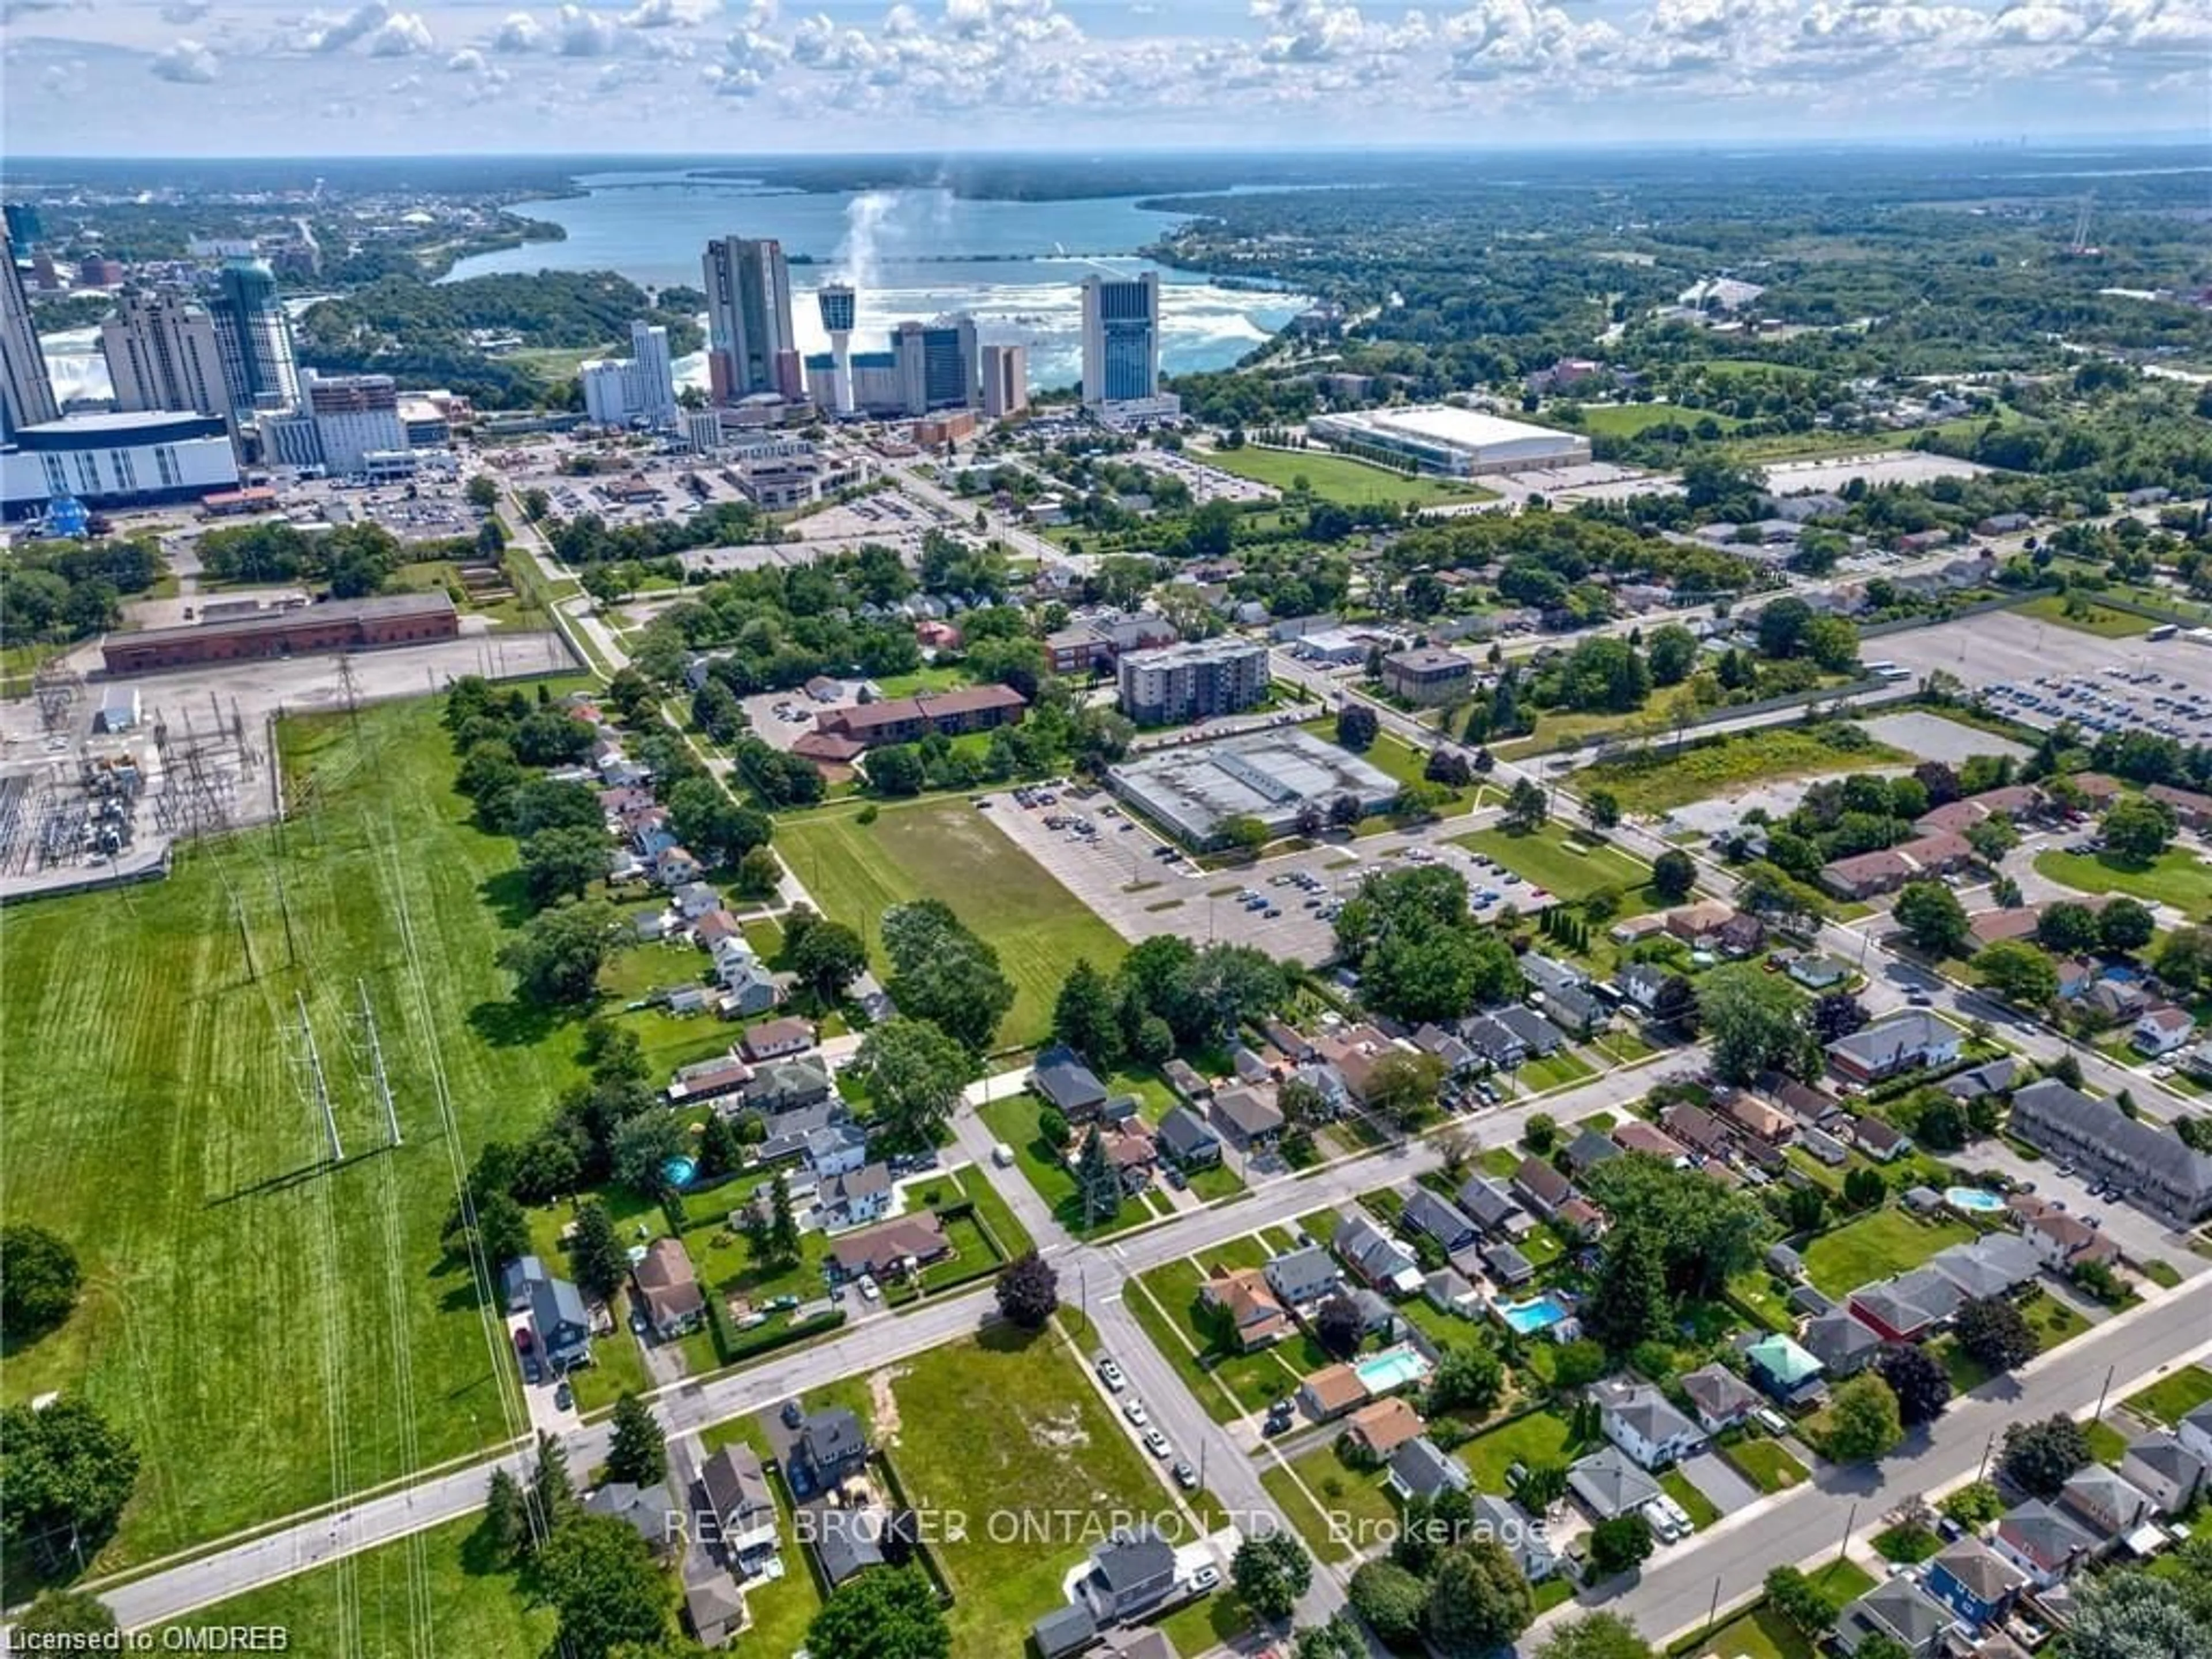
pixel 1005 1426
pixel 1339 1509
pixel 274 1332
pixel 1539 1438
pixel 369 1607
pixel 1764 1463
pixel 2172 1398
pixel 2088 616
pixel 1338 477
pixel 1014 1121
pixel 1554 860
pixel 946 850
pixel 1165 1302
pixel 1874 1247
pixel 1626 420
pixel 1658 780
pixel 2177 876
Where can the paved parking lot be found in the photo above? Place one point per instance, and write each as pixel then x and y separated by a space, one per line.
pixel 2140 1236
pixel 2038 661
pixel 1933 737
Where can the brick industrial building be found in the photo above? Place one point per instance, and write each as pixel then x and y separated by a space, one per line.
pixel 342 625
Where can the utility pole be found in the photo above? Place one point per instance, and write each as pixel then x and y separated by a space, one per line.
pixel 1988 1446
pixel 2098 1416
pixel 376 1064
pixel 316 1080
pixel 1843 1545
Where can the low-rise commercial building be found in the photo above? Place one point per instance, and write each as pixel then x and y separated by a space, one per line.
pixel 1194 790
pixel 1455 442
pixel 343 625
pixel 1428 675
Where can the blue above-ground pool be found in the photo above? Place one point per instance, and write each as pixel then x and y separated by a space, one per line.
pixel 679 1170
pixel 1972 1200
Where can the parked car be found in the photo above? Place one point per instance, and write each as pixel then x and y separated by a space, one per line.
pixel 792 1415
pixel 1109 1373
pixel 1134 1409
pixel 1155 1443
pixel 1205 1578
pixel 1186 1477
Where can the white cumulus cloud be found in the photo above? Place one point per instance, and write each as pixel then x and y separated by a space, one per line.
pixel 187 61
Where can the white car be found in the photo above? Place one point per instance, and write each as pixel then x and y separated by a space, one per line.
pixel 1134 1409
pixel 1205 1578
pixel 1155 1443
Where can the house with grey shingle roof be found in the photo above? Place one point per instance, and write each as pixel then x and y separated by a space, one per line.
pixel 1609 1483
pixel 1643 1422
pixel 1493 1209
pixel 1424 1213
pixel 1420 1468
pixel 1899 1609
pixel 2042 1542
pixel 2163 1470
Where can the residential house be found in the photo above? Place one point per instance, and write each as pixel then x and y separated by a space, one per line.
pixel 1580 1219
pixel 1818 973
pixel 714 1609
pixel 1696 1128
pixel 648 926
pixel 694 900
pixel 1842 1346
pixel 827 1449
pixel 1897 1608
pixel 1448 1290
pixel 837 1149
pixel 1065 1632
pixel 1907 1307
pixel 1249 1117
pixel 1587 1150
pixel 1549 976
pixel 515 1280
pixel 2042 1542
pixel 788 1133
pixel 1186 1141
pixel 2164 1470
pixel 1380 1427
pixel 1721 1399
pixel 1288 1041
pixel 856 1197
pixel 1877 1137
pixel 2117 1000
pixel 1976 1583
pixel 1130 1573
pixel 1459 1057
pixel 1493 1209
pixel 2159 1031
pixel 1755 1117
pixel 1993 1078
pixel 1130 1148
pixel 1516 1532
pixel 1575 1010
pixel 1995 1265
pixel 1420 1468
pixel 1610 1483
pixel 891 1248
pixel 646 1510
pixel 1330 1392
pixel 1698 925
pixel 1425 1212
pixel 2103 1502
pixel 1540 1186
pixel 668 1288
pixel 1250 1067
pixel 1635 1135
pixel 1740 935
pixel 1248 1307
pixel 675 867
pixel 716 928
pixel 1905 1042
pixel 2161 1172
pixel 1068 1085
pixel 1384 1263
pixel 1494 1042
pixel 1788 1372
pixel 1182 1077
pixel 740 1503
pixel 1640 983
pixel 1825 1147
pixel 559 1320
pixel 1784 1262
pixel 777 1039
pixel 781 1086
pixel 2193 811
pixel 748 987
pixel 1302 1278
pixel 1538 1036
pixel 1642 1422
pixel 2195 1432
pixel 1506 1265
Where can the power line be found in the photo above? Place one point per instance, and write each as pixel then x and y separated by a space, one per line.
pixel 376 1065
pixel 317 1081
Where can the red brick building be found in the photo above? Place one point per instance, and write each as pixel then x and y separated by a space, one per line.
pixel 904 719
pixel 340 625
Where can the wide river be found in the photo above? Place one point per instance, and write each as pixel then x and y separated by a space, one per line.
pixel 1015 266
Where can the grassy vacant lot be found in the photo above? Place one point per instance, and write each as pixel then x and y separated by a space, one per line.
pixel 1538 1437
pixel 2177 876
pixel 272 1332
pixel 367 1606
pixel 1658 779
pixel 946 850
pixel 2172 1398
pixel 1764 1463
pixel 1626 420
pixel 2087 616
pixel 1561 863
pixel 1014 1121
pixel 1874 1247
pixel 1338 477
pixel 1761 1632
pixel 1695 1504
pixel 1004 1425
pixel 1339 1510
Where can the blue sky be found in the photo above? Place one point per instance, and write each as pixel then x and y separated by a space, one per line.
pixel 756 77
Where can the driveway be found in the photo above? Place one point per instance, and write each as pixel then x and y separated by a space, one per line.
pixel 1710 1473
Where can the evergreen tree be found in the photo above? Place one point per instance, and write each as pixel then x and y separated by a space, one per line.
pixel 1097 1181
pixel 783 1226
pixel 638 1452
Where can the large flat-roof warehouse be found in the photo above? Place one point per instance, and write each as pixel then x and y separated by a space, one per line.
pixel 1457 442
pixel 1194 790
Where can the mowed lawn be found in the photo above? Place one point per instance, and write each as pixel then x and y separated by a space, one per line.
pixel 368 1606
pixel 2175 877
pixel 1876 1246
pixel 1626 420
pixel 1005 1433
pixel 1338 477
pixel 1561 864
pixel 948 850
pixel 247 1308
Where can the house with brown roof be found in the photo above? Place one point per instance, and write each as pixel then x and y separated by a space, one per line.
pixel 1699 924
pixel 1635 1135
pixel 2060 1240
pixel 891 1248
pixel 2191 809
pixel 1540 1186
pixel 776 1039
pixel 1331 1392
pixel 1380 1427
pixel 1754 1116
pixel 904 720
pixel 668 1287
pixel 1581 1218
pixel 1696 1128
pixel 1240 1294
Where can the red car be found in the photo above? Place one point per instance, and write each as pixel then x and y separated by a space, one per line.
pixel 522 1340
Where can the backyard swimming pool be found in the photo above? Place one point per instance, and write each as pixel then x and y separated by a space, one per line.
pixel 1394 1368
pixel 1972 1199
pixel 1537 1314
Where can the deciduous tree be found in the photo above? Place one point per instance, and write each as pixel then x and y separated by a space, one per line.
pixel 1028 1290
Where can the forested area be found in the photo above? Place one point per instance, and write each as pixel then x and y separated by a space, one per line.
pixel 71 590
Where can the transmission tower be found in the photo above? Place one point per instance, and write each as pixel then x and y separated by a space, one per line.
pixel 317 1082
pixel 376 1064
